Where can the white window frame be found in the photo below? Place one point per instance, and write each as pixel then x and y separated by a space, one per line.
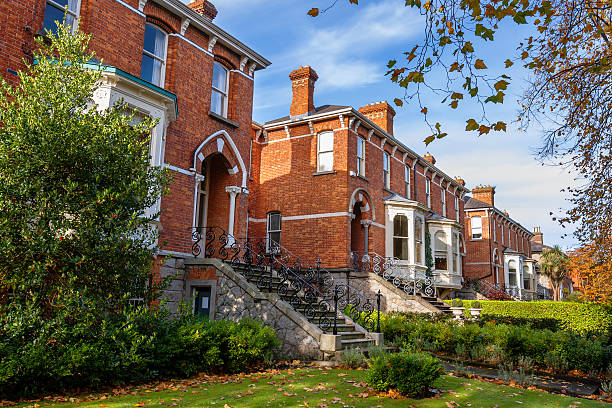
pixel 494 228
pixel 361 160
pixel 439 253
pixel 428 192
pixel 76 13
pixel 319 151
pixel 456 257
pixel 516 275
pixel 502 233
pixel 405 238
pixel 443 198
pixel 456 208
pixel 386 170
pixel 162 73
pixel 419 241
pixel 472 227
pixel 407 180
pixel 269 230
pixel 224 94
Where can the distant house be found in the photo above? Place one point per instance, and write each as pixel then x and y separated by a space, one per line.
pixel 498 248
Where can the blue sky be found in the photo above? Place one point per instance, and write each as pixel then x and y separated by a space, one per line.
pixel 349 48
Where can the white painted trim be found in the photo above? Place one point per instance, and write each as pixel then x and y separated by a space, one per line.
pixel 241 73
pixel 124 4
pixel 234 149
pixel 188 41
pixel 306 217
pixel 178 169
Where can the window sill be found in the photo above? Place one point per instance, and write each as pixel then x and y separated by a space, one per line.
pixel 223 120
pixel 323 173
pixel 364 178
pixel 476 239
pixel 386 190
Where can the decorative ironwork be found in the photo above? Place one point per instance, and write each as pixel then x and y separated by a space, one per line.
pixel 404 277
pixel 309 289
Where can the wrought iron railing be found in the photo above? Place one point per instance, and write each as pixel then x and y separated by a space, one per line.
pixel 271 266
pixel 404 277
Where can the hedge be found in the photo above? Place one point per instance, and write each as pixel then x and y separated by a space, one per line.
pixel 582 318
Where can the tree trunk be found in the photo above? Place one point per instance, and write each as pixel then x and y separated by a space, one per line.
pixel 555 289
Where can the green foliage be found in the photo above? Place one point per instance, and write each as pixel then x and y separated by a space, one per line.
pixel 457 303
pixel 582 318
pixel 428 255
pixel 352 359
pixel 495 343
pixel 475 305
pixel 41 356
pixel 410 374
pixel 76 187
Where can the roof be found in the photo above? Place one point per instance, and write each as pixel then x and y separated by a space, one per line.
pixel 473 204
pixel 537 247
pixel 319 110
pixel 397 197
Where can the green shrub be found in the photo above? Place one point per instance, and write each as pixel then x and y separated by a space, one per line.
pixel 410 374
pixel 352 359
pixel 457 303
pixel 475 305
pixel 582 318
pixel 40 356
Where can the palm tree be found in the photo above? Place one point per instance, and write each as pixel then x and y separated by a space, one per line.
pixel 555 266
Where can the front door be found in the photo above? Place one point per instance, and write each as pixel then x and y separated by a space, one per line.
pixel 202 301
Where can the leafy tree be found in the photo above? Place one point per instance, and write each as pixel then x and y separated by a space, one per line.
pixel 555 266
pixel 564 46
pixel 591 269
pixel 76 235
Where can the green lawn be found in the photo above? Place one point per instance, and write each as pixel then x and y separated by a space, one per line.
pixel 314 387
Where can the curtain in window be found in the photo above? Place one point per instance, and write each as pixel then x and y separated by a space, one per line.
pixel 153 57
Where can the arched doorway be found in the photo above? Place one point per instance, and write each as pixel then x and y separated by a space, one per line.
pixel 357 230
pixel 213 200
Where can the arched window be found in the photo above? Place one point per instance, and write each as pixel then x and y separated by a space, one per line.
pixel 418 240
pixel 512 273
pixel 400 237
pixel 526 278
pixel 440 251
pixel 220 86
pixel 273 233
pixel 54 12
pixel 154 55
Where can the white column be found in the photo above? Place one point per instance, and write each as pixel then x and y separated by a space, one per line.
pixel 233 192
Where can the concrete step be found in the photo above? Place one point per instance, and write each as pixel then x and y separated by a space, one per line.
pixel 342 327
pixel 355 343
pixel 352 335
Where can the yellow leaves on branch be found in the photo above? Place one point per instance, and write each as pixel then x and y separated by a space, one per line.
pixel 479 64
pixel 472 125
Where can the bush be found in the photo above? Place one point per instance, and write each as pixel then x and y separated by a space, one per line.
pixel 352 359
pixel 581 318
pixel 410 374
pixel 457 303
pixel 46 357
pixel 476 305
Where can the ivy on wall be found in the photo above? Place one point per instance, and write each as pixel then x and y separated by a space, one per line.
pixel 428 256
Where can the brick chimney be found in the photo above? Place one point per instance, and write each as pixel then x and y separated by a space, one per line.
pixel 204 7
pixel 381 114
pixel 486 194
pixel 537 235
pixel 460 181
pixel 429 158
pixel 303 83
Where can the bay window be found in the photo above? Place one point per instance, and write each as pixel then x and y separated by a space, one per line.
pixel 456 259
pixel 400 237
pixel 526 278
pixel 419 239
pixel 512 281
pixel 440 251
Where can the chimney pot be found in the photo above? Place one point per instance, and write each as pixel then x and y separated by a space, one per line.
pixel 538 236
pixel 381 114
pixel 486 194
pixel 204 7
pixel 303 82
pixel 460 181
pixel 429 158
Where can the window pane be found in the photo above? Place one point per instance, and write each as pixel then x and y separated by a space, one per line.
pixel 53 14
pixel 360 147
pixel 219 77
pixel 274 222
pixel 274 238
pixel 217 104
pixel 400 248
pixel 151 70
pixel 155 41
pixel 440 240
pixel 400 226
pixel 386 161
pixel 476 222
pixel 441 263
pixel 326 141
pixel 326 161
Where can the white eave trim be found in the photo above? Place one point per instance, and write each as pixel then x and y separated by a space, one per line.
pixel 207 26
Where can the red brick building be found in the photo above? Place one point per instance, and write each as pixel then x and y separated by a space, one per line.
pixel 329 180
pixel 498 247
pixel 170 61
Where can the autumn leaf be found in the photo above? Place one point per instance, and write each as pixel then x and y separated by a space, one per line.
pixel 509 63
pixel 429 139
pixel 479 64
pixel 499 126
pixel 471 125
pixel 354 1
pixel 424 111
pixel 313 12
pixel 501 85
pixel 483 129
pixel 398 102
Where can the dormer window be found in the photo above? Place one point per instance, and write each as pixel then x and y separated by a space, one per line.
pixel 54 12
pixel 220 85
pixel 153 67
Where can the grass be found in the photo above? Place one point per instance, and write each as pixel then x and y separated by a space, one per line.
pixel 314 387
